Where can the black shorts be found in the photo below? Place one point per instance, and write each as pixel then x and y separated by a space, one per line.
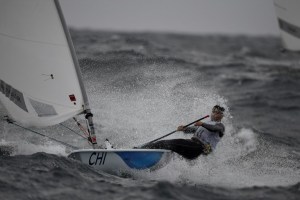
pixel 187 148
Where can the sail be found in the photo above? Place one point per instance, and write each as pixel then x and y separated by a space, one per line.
pixel 288 13
pixel 40 83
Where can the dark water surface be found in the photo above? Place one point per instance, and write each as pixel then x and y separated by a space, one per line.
pixel 142 86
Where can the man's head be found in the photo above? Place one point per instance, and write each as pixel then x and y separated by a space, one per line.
pixel 217 113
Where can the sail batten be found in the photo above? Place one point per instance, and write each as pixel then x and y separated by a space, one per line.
pixel 40 80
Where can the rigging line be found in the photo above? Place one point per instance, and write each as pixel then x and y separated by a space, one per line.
pixel 85 131
pixel 72 131
pixel 58 141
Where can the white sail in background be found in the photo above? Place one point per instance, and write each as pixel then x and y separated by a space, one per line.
pixel 39 82
pixel 288 13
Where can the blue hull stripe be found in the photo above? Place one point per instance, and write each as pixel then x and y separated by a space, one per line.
pixel 140 160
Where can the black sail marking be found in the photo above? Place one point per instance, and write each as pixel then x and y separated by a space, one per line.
pixel 13 94
pixel 289 28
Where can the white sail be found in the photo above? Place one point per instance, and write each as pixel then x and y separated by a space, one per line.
pixel 39 82
pixel 288 13
pixel 41 85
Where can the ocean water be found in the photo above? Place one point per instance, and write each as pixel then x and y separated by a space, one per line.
pixel 142 86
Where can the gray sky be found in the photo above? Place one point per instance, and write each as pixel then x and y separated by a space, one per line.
pixel 187 16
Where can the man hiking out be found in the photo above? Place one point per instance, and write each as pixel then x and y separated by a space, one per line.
pixel 204 141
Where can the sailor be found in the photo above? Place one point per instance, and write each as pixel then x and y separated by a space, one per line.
pixel 204 141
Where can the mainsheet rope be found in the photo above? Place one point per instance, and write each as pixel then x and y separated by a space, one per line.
pixel 33 131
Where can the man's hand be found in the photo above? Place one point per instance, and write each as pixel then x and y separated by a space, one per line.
pixel 199 123
pixel 180 128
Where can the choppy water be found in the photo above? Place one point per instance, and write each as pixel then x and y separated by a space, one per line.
pixel 142 86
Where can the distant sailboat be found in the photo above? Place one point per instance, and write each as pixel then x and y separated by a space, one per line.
pixel 288 14
pixel 41 83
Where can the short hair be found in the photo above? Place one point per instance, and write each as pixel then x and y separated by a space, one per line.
pixel 219 108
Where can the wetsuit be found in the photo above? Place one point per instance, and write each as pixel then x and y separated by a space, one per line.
pixel 204 140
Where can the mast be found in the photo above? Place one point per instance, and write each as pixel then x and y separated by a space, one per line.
pixel 87 109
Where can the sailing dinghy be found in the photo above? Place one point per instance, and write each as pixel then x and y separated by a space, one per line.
pixel 41 83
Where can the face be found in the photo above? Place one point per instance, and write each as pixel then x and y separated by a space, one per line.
pixel 216 115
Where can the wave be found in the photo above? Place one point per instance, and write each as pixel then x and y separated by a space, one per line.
pixel 50 176
pixel 143 85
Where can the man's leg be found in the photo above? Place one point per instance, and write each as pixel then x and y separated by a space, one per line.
pixel 186 148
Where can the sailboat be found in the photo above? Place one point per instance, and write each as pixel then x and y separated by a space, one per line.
pixel 288 16
pixel 41 83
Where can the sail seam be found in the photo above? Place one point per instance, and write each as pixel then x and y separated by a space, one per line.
pixel 35 41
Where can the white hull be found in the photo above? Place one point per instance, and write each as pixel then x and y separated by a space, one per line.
pixel 118 161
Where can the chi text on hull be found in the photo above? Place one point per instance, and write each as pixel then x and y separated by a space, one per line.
pixel 116 161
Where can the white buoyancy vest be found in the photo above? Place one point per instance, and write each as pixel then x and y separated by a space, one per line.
pixel 207 136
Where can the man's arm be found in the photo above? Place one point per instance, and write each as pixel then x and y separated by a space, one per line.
pixel 187 129
pixel 191 129
pixel 219 128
